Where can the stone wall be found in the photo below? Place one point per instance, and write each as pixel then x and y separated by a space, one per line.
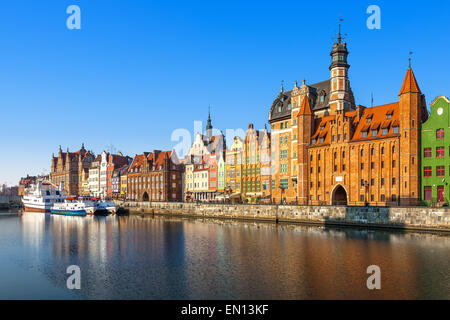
pixel 416 218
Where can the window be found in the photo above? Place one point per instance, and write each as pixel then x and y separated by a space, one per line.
pixel 364 134
pixel 372 165
pixel 382 164
pixel 440 171
pixel 394 181
pixel 427 193
pixel 393 163
pixel 362 166
pixel 427 171
pixel 362 153
pixel 393 149
pixel 384 131
pixel 372 182
pixel 440 133
pixel 372 151
pixel 374 133
pixel 427 153
pixel 382 181
pixel 383 198
pixel 440 152
pixel 382 150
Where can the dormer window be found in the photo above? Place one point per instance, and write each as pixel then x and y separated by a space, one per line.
pixel 374 132
pixel 395 129
pixel 289 106
pixel 369 120
pixel 364 134
pixel 313 141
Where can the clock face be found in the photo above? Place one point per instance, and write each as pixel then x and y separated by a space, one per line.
pixel 440 111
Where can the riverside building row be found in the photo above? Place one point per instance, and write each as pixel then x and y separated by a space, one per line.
pixel 322 148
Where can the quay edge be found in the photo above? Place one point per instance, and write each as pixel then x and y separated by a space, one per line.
pixel 404 218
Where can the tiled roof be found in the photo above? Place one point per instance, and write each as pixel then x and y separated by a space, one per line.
pixel 409 84
pixel 378 117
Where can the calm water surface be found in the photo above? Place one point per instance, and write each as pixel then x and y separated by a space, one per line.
pixel 161 258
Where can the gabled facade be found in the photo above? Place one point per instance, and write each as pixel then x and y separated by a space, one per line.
pixel 155 176
pixel 233 179
pixel 435 154
pixel 68 167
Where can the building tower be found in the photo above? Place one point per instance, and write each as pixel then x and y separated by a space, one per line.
pixel 411 106
pixel 304 132
pixel 209 125
pixel 340 93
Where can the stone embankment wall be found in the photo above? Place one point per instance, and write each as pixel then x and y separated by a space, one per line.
pixel 414 218
pixel 6 201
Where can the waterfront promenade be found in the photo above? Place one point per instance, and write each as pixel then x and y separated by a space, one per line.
pixel 407 218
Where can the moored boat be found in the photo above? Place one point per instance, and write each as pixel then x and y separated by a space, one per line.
pixel 41 197
pixel 74 206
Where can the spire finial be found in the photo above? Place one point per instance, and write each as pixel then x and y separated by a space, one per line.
pixel 208 124
pixel 410 55
pixel 282 87
pixel 303 81
pixel 296 84
pixel 339 34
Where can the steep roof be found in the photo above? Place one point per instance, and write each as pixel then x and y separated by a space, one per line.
pixel 305 108
pixel 378 119
pixel 410 83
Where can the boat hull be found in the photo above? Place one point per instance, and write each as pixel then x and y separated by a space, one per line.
pixel 77 213
pixel 36 209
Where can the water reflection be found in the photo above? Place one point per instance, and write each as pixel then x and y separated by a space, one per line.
pixel 160 258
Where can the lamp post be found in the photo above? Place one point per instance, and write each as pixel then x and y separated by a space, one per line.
pixel 366 192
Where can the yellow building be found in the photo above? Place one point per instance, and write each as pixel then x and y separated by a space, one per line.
pixel 233 169
pixel 123 186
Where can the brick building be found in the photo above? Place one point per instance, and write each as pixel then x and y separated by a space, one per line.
pixel 155 176
pixel 68 167
pixel 327 150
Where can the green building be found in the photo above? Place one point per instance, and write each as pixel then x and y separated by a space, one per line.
pixel 436 153
pixel 221 174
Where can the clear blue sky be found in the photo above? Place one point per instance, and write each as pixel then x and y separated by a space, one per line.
pixel 137 70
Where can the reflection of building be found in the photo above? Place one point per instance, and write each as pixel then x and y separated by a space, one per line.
pixel 327 150
pixel 68 167
pixel 155 176
pixel 436 153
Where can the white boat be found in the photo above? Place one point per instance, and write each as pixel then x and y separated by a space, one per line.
pixel 41 197
pixel 104 207
pixel 75 206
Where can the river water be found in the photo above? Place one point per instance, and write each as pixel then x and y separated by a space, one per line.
pixel 171 258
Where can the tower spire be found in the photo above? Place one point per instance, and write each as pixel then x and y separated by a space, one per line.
pixel 208 123
pixel 339 34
